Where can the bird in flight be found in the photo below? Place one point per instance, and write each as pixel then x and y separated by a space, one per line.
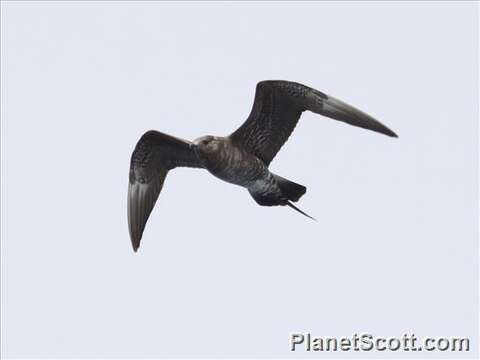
pixel 243 157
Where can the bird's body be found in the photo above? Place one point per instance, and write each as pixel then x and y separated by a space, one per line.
pixel 231 163
pixel 241 158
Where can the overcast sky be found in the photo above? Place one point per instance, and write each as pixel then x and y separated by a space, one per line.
pixel 395 247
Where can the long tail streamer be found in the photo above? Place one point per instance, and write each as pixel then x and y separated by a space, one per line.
pixel 300 211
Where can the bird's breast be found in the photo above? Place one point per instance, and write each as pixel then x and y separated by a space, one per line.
pixel 236 166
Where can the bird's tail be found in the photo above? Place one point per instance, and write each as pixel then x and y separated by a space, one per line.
pixel 300 211
pixel 291 190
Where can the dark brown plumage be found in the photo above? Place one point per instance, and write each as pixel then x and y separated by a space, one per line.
pixel 241 158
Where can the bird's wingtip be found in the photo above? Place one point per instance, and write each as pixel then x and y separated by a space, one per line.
pixel 391 133
pixel 135 246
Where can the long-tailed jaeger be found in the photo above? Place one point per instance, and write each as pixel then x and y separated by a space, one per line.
pixel 243 157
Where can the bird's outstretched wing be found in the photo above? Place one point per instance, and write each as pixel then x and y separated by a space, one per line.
pixel 154 155
pixel 276 109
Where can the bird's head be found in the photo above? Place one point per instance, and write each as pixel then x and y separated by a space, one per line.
pixel 206 144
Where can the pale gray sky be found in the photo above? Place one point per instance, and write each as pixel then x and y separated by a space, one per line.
pixel 395 247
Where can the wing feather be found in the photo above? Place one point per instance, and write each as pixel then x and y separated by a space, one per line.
pixel 154 155
pixel 277 107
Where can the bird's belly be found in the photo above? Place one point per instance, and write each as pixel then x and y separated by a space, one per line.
pixel 239 174
pixel 240 170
